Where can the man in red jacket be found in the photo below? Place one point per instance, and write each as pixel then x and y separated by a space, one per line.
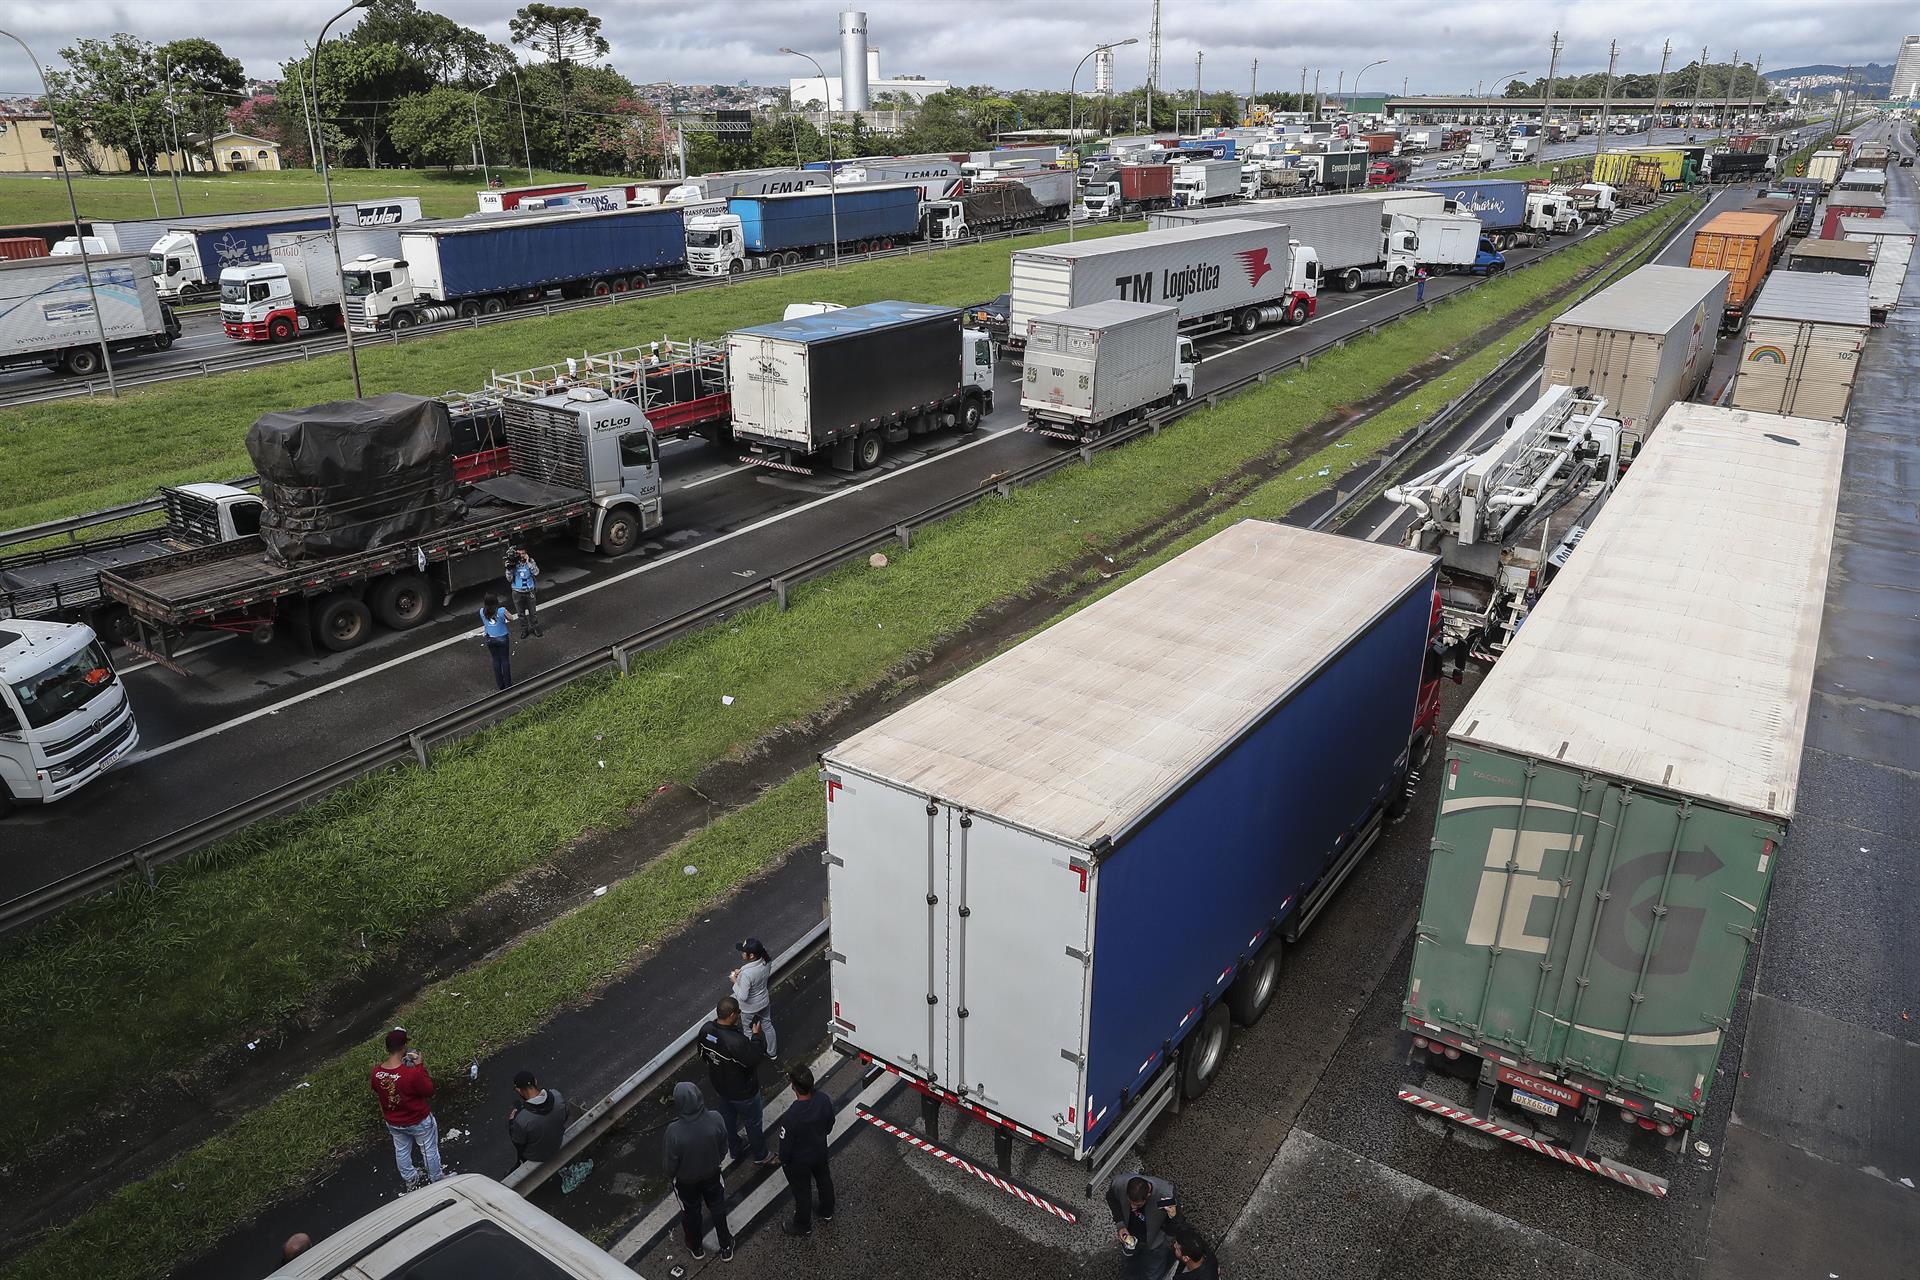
pixel 404 1088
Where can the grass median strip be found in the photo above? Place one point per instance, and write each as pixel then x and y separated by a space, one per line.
pixel 189 1204
pixel 141 986
pixel 60 462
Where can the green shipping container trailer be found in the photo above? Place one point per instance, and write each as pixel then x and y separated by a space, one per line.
pixel 1616 797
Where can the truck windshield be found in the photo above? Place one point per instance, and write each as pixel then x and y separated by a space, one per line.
pixel 703 239
pixel 356 284
pixel 158 263
pixel 65 687
pixel 235 291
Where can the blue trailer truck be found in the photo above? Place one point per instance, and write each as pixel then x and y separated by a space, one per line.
pixel 461 267
pixel 187 261
pixel 758 232
pixel 1500 203
pixel 1101 841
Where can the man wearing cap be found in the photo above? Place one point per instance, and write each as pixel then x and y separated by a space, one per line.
pixel 753 989
pixel 538 1124
pixel 404 1088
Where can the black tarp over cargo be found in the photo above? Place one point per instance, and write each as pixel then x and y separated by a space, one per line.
pixel 354 475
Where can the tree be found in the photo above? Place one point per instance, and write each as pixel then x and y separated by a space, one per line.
pixel 115 92
pixel 450 53
pixel 438 127
pixel 576 123
pixel 202 82
pixel 356 82
pixel 567 34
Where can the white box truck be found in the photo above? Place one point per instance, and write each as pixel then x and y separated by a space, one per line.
pixel 1805 335
pixel 1524 150
pixel 1892 243
pixel 1440 240
pixel 1102 366
pixel 1229 274
pixel 297 290
pixel 46 312
pixel 1205 182
pixel 1349 234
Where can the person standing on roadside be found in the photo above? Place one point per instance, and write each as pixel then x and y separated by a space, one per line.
pixel 733 1065
pixel 521 572
pixel 804 1131
pixel 404 1088
pixel 1143 1211
pixel 696 1153
pixel 539 1124
pixel 498 635
pixel 1193 1257
pixel 753 988
pixel 1419 295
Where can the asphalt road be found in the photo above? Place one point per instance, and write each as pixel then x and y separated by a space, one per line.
pixel 248 719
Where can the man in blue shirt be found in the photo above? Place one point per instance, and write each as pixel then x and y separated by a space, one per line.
pixel 521 572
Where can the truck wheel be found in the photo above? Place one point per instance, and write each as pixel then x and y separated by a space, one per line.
pixel 261 634
pixel 402 602
pixel 82 362
pixel 970 415
pixel 599 289
pixel 1350 281
pixel 279 329
pixel 403 320
pixel 341 622
pixel 866 451
pixel 1399 277
pixel 1205 1052
pixel 492 306
pixel 468 309
pixel 736 267
pixel 1247 321
pixel 1296 312
pixel 163 341
pixel 1253 990
pixel 620 534
pixel 790 259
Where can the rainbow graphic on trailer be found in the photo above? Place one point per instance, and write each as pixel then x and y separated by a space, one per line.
pixel 1766 355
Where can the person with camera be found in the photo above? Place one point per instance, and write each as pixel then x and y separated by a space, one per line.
pixel 405 1091
pixel 521 573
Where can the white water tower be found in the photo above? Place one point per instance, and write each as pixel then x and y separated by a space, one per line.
pixel 853 60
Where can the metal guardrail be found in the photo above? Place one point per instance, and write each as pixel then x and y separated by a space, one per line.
pixel 315 347
pixel 414 744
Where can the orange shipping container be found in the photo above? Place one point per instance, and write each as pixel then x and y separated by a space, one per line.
pixel 22 247
pixel 1740 244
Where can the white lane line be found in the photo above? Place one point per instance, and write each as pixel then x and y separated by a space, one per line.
pixel 462 637
pixel 1326 315
pixel 1498 420
pixel 718 475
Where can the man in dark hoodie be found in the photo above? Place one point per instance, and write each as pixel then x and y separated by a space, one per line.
pixel 539 1123
pixel 696 1151
pixel 804 1131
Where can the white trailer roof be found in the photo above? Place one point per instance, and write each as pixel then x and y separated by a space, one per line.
pixel 1079 731
pixel 1676 649
pixel 1143 239
pixel 1652 299
pixel 1819 297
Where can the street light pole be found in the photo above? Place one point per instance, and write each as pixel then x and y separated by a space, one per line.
pixel 133 115
pixel 526 146
pixel 326 179
pixel 1381 62
pixel 833 176
pixel 1072 85
pixel 486 174
pixel 73 207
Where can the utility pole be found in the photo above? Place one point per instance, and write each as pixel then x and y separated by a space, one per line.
pixel 1699 78
pixel 1553 64
pixel 1316 94
pixel 1726 103
pixel 1659 88
pixel 1153 62
pixel 1196 88
pixel 1755 87
pixel 1301 103
pixel 1253 90
pixel 1606 105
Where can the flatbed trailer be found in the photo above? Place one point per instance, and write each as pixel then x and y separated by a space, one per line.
pixel 680 386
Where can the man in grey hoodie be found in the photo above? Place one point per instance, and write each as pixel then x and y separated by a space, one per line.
pixel 696 1151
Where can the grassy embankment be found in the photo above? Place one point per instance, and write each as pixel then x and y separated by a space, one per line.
pixel 43 198
pixel 196 430
pixel 147 984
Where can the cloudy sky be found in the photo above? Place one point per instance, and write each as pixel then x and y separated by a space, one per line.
pixel 1431 45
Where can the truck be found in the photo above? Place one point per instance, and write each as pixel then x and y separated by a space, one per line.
pixel 1740 244
pixel 1507 217
pixel 1334 171
pixel 1524 149
pixel 1129 190
pixel 507 199
pixel 1384 173
pixel 1850 204
pixel 1250 711
pixel 1503 518
pixel 1440 241
pixel 757 233
pixel 47 312
pixel 1738 166
pixel 1051 189
pixel 1352 236
pixel 1596 201
pixel 845 384
pixel 580 466
pixel 1092 369
pixel 940 178
pixel 1676 168
pixel 465 267
pixel 748 182
pixel 1803 346
pixel 297 290
pixel 1614 811
pixel 1892 243
pixel 187 261
pixel 987 208
pixel 1205 182
pixel 1643 343
pixel 1854 181
pixel 65 718
pixel 1872 155
pixel 1825 167
pixel 1228 274
pixel 1481 154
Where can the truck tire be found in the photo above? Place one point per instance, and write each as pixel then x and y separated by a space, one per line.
pixel 468 308
pixel 1253 990
pixel 1296 312
pixel 340 622
pixel 1205 1052
pixel 163 341
pixel 279 329
pixel 790 259
pixel 82 362
pixel 1247 321
pixel 1399 277
pixel 621 532
pixel 402 602
pixel 492 306
pixel 1350 281
pixel 970 414
pixel 867 451
pixel 599 288
pixel 736 267
pixel 402 320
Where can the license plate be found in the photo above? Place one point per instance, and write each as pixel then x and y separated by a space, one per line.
pixel 1538 1105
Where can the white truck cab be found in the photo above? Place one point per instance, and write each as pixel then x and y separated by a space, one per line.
pixel 1552 212
pixel 716 246
pixel 377 293
pixel 176 265
pixel 64 715
pixel 259 303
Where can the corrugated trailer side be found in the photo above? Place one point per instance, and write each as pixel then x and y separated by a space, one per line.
pixel 1803 345
pixel 1047 875
pixel 1616 795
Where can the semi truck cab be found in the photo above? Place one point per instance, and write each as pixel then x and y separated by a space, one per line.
pixel 64 715
pixel 1552 212
pixel 604 442
pixel 257 304
pixel 378 293
pixel 716 246
pixel 177 271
